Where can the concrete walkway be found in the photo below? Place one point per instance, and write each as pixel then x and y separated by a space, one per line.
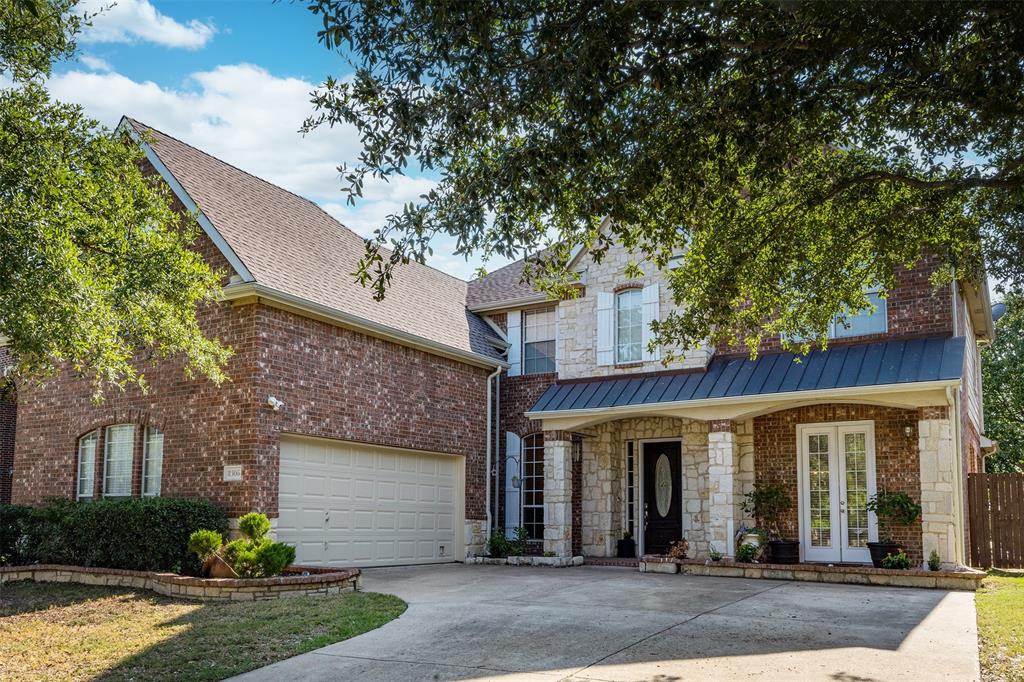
pixel 601 623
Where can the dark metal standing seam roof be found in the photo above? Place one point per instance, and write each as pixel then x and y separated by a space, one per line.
pixel 870 364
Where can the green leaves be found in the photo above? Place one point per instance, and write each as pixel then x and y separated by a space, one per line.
pixel 97 273
pixel 1003 389
pixel 791 153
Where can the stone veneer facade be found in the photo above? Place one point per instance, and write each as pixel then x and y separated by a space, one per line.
pixel 577 332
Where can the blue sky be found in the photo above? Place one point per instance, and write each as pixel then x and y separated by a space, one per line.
pixel 233 78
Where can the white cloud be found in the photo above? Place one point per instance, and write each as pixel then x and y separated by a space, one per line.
pixel 249 117
pixel 137 20
pixel 94 63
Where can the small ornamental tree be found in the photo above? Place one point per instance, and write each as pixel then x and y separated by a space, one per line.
pixel 767 503
pixel 892 509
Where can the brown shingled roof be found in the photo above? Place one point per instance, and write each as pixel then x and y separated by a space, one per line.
pixel 504 285
pixel 291 245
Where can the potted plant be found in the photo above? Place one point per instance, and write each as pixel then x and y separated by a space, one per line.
pixel 767 503
pixel 892 509
pixel 626 548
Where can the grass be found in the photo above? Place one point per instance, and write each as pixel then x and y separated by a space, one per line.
pixel 51 631
pixel 1000 604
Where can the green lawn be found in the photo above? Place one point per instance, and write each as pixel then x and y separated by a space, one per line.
pixel 1001 626
pixel 52 631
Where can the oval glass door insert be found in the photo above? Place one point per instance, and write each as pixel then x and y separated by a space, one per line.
pixel 663 485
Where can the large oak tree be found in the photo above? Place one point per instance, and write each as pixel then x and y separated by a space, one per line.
pixel 96 270
pixel 795 152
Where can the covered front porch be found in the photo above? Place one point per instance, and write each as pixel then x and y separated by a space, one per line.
pixel 664 470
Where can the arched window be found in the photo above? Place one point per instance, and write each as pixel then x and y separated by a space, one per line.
pixel 629 326
pixel 533 486
pixel 152 461
pixel 86 465
pixel 118 459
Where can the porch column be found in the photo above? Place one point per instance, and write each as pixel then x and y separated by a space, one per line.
pixel 722 478
pixel 937 456
pixel 558 493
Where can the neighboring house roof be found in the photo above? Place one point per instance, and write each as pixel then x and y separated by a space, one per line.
pixel 504 286
pixel 289 244
pixel 870 364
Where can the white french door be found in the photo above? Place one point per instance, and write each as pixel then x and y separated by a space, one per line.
pixel 837 476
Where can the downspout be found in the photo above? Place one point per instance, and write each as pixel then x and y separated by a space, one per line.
pixel 953 399
pixel 487 493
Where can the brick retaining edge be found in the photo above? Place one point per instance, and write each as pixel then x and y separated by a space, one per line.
pixel 968 580
pixel 317 583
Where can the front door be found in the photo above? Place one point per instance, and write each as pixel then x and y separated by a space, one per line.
pixel 663 503
pixel 837 476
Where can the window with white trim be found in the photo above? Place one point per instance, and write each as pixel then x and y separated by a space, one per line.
pixel 539 341
pixel 86 465
pixel 533 486
pixel 629 326
pixel 119 450
pixel 152 461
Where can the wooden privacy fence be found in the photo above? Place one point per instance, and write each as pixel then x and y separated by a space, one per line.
pixel 996 509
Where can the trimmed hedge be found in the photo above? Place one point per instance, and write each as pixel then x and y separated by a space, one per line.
pixel 142 534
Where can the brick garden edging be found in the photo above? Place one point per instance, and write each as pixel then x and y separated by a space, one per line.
pixel 850 575
pixel 319 582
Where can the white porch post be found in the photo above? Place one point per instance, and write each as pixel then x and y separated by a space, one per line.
pixel 722 476
pixel 937 453
pixel 558 493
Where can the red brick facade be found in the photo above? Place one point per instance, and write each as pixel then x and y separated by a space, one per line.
pixel 8 424
pixel 897 466
pixel 335 383
pixel 914 308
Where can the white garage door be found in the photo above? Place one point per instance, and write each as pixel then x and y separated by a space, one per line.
pixel 350 504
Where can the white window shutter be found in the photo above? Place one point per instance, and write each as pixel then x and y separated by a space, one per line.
pixel 515 343
pixel 513 499
pixel 651 309
pixel 605 328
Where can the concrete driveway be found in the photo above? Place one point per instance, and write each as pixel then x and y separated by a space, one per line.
pixel 602 623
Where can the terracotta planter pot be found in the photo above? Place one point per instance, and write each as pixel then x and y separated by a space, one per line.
pixel 216 567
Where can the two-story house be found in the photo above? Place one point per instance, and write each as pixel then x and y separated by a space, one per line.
pixel 601 438
pixel 402 431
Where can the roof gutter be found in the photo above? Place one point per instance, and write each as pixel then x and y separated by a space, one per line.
pixel 234 292
pixel 756 398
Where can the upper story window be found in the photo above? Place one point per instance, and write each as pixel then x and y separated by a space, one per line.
pixel 539 341
pixel 629 326
pixel 118 459
pixel 86 465
pixel 152 461
pixel 864 322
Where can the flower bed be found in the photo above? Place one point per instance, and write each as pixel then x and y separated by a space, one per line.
pixel 297 581
pixel 855 575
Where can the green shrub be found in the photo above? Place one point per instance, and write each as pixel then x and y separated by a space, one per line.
pixel 899 560
pixel 257 556
pixel 205 543
pixel 497 544
pixel 517 546
pixel 13 518
pixel 934 561
pixel 254 526
pixel 273 557
pixel 143 534
pixel 747 553
pixel 893 509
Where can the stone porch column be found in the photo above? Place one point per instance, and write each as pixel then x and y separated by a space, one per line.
pixel 937 457
pixel 722 477
pixel 558 493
